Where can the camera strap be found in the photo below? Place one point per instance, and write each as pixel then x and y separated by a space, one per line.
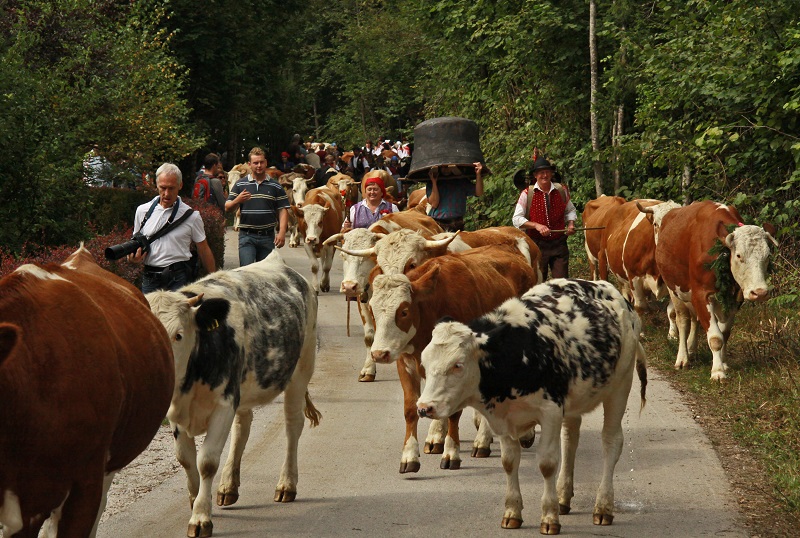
pixel 169 226
pixel 153 207
pixel 171 223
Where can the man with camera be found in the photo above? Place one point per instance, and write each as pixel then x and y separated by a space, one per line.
pixel 166 258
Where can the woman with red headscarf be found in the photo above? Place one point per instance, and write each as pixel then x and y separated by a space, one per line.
pixel 372 207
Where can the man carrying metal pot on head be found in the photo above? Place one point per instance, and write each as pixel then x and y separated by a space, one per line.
pixel 164 230
pixel 448 198
pixel 545 212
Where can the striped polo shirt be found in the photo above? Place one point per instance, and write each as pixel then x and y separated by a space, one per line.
pixel 261 211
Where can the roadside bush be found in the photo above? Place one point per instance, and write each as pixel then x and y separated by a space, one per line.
pixel 110 207
pixel 45 255
pixel 214 224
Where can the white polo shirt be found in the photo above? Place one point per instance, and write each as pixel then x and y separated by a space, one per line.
pixel 174 246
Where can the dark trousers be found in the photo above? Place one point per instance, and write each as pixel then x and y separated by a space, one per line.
pixel 171 279
pixel 555 257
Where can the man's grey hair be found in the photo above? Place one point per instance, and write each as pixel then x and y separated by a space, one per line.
pixel 169 169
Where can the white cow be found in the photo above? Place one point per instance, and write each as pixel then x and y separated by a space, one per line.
pixel 232 355
pixel 548 358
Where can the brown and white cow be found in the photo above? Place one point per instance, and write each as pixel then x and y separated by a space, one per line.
pixel 549 357
pixel 320 217
pixel 497 235
pixel 347 188
pixel 630 252
pixel 240 339
pixel 356 268
pixel 595 216
pixel 236 173
pixel 86 376
pixel 296 186
pixel 461 285
pixel 685 237
pixel 417 198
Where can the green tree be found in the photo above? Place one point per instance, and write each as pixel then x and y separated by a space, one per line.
pixel 76 74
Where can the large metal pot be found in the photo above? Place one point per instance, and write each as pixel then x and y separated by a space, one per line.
pixel 449 142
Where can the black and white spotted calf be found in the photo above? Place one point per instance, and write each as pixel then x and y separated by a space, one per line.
pixel 239 338
pixel 547 358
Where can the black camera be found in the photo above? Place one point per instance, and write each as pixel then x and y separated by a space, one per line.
pixel 139 240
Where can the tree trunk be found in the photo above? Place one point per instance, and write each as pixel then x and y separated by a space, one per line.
pixel 363 118
pixel 686 180
pixel 596 164
pixel 316 121
pixel 617 143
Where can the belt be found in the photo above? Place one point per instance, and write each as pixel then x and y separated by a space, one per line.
pixel 171 267
pixel 249 231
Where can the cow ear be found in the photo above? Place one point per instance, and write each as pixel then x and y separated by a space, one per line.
pixel 494 337
pixel 211 313
pixel 423 287
pixel 723 235
pixel 727 241
pixel 9 336
pixel 771 231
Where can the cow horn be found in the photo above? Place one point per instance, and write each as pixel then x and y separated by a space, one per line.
pixel 644 209
pixel 362 253
pixel 333 239
pixel 196 299
pixel 429 244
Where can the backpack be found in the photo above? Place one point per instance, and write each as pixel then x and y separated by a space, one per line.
pixel 201 189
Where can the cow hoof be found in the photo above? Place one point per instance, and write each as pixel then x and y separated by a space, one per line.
pixel 550 528
pixel 284 496
pixel 227 499
pixel 433 448
pixel 602 519
pixel 481 452
pixel 366 378
pixel 511 523
pixel 447 463
pixel 563 509
pixel 203 530
pixel 409 467
pixel 325 289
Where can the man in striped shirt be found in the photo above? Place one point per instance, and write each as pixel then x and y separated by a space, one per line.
pixel 264 206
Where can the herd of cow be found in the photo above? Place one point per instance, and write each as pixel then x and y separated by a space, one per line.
pixel 89 367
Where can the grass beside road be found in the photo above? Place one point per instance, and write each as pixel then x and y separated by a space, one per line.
pixel 753 418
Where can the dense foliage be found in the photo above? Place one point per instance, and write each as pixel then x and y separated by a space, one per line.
pixel 162 79
pixel 75 74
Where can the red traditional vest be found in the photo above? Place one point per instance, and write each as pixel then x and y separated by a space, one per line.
pixel 552 216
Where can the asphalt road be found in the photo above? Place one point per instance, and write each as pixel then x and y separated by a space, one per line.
pixel 668 482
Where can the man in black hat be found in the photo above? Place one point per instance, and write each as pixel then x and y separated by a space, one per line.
pixel 542 211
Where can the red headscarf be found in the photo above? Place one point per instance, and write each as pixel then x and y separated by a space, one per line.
pixel 377 181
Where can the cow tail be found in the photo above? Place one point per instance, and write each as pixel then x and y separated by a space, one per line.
pixel 311 412
pixel 641 369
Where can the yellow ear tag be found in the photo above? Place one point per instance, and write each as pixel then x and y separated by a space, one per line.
pixel 212 327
